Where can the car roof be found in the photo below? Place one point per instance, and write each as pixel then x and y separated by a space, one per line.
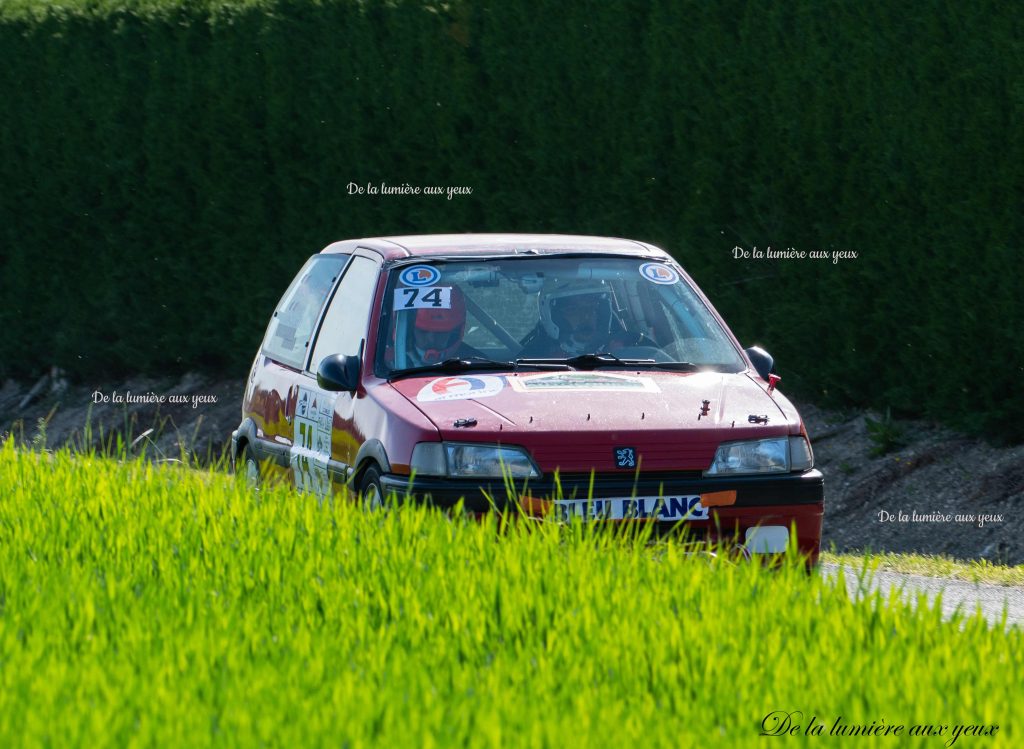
pixel 427 245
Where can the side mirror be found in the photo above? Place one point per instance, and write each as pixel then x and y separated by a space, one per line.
pixel 763 362
pixel 338 373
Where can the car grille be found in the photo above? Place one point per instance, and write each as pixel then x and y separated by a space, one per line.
pixel 676 458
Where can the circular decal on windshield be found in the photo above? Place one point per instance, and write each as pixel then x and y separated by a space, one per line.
pixel 659 273
pixel 460 388
pixel 420 275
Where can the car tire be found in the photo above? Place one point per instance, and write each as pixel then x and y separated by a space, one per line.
pixel 371 493
pixel 250 468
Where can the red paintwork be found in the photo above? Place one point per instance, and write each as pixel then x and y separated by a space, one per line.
pixel 732 522
pixel 575 430
pixel 266 402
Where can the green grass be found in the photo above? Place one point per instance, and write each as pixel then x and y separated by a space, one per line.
pixel 145 605
pixel 975 570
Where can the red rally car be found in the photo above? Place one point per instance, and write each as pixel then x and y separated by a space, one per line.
pixel 586 376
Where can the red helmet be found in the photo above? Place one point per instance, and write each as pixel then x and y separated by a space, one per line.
pixel 450 320
pixel 441 320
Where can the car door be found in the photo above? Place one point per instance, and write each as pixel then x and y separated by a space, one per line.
pixel 326 437
pixel 273 382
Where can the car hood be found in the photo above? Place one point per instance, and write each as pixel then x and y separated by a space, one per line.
pixel 575 421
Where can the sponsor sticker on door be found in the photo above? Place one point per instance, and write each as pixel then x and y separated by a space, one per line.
pixel 311 442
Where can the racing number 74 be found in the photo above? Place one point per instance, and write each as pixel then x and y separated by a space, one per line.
pixel 432 298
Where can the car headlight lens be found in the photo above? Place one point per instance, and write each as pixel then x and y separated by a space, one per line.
pixel 468 460
pixel 754 456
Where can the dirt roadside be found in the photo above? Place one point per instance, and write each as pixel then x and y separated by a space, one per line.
pixel 934 492
pixel 195 419
pixel 939 492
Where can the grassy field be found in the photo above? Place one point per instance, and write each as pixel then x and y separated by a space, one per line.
pixel 146 605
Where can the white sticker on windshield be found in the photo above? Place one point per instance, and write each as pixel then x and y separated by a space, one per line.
pixel 659 273
pixel 430 297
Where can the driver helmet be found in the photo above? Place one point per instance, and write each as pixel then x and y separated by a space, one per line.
pixel 575 314
pixel 437 332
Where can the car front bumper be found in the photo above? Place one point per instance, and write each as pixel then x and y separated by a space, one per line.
pixel 790 501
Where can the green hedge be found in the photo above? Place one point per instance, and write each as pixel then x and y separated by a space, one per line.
pixel 167 165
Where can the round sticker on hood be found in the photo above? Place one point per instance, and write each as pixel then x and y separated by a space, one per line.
pixel 420 275
pixel 460 388
pixel 659 273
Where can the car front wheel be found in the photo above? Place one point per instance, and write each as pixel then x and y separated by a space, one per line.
pixel 370 489
pixel 250 468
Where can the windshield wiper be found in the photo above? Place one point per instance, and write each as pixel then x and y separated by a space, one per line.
pixel 603 359
pixel 583 361
pixel 454 364
pixel 676 366
pixel 466 363
pixel 607 359
pixel 587 361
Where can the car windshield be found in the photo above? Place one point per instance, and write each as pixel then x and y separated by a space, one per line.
pixel 582 312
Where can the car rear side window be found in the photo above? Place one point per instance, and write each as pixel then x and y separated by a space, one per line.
pixel 287 339
pixel 344 325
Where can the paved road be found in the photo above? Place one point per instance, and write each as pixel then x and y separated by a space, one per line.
pixel 955 593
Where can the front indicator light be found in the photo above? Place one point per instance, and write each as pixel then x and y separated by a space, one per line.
pixel 801 457
pixel 428 459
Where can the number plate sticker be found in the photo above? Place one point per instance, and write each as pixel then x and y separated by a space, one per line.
pixel 423 297
pixel 633 508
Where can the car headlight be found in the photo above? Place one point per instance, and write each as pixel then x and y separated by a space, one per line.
pixel 469 460
pixel 775 455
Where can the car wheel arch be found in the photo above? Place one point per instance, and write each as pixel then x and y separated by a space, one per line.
pixel 246 435
pixel 370 452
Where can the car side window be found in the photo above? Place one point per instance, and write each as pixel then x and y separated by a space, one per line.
pixel 288 334
pixel 344 326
